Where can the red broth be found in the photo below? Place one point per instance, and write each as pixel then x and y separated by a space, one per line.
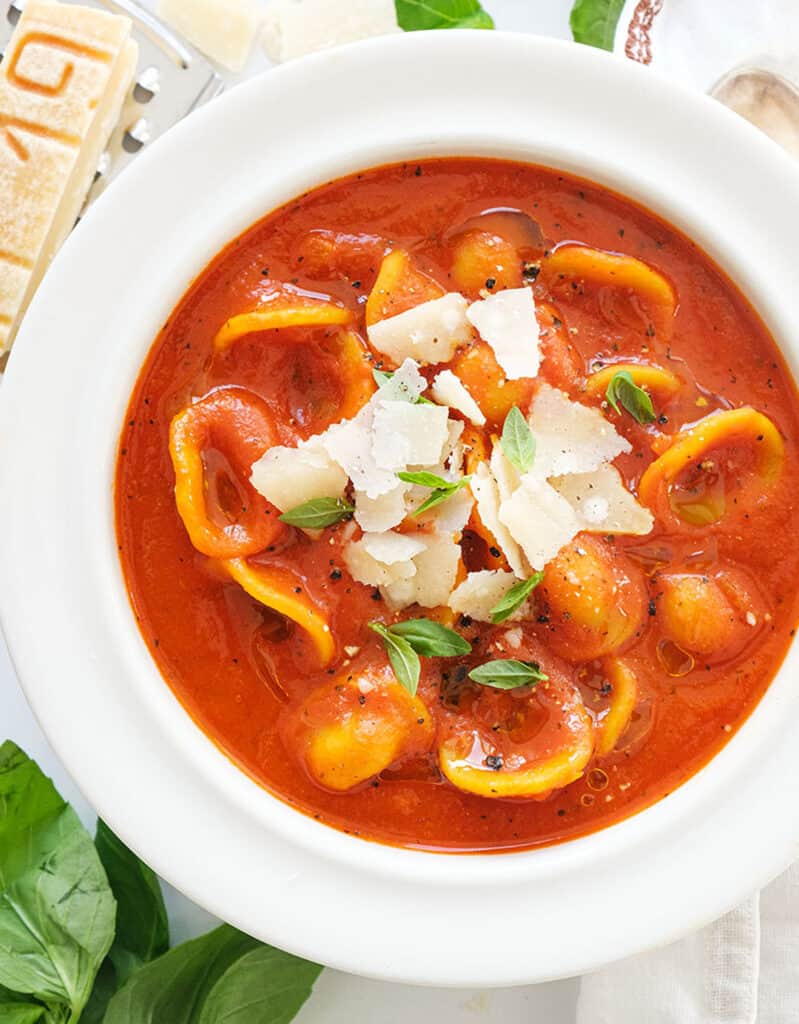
pixel 240 670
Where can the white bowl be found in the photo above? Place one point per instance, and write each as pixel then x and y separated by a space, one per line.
pixel 146 767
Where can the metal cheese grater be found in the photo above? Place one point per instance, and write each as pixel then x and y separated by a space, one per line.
pixel 172 79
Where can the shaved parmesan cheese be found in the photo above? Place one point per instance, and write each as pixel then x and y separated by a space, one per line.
pixel 506 321
pixel 408 435
pixel 429 333
pixel 539 520
pixel 486 493
pixel 287 477
pixel 223 29
pixel 349 443
pixel 602 503
pixel 436 569
pixel 375 515
pixel 389 548
pixel 481 591
pixel 450 390
pixel 380 559
pixel 405 385
pixel 451 515
pixel 293 28
pixel 571 438
pixel 505 473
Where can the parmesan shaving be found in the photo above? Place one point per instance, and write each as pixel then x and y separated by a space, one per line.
pixel 539 520
pixel 506 321
pixel 379 560
pixel 408 435
pixel 486 493
pixel 570 437
pixel 293 28
pixel 374 515
pixel 436 568
pixel 288 477
pixel 448 389
pixel 481 591
pixel 429 333
pixel 602 503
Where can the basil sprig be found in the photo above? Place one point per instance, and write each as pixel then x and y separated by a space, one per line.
pixel 84 935
pixel 405 641
pixel 623 391
pixel 415 15
pixel 318 513
pixel 508 674
pixel 518 442
pixel 515 597
pixel 441 488
pixel 593 22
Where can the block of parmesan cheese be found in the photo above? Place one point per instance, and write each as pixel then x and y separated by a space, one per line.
pixel 293 28
pixel 223 30
pixel 63 79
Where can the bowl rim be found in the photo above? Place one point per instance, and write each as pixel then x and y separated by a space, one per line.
pixel 264 866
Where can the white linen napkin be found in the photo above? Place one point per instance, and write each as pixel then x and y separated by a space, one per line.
pixel 743 968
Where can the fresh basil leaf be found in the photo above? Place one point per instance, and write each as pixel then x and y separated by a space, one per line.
pixel 425 479
pixel 222 976
pixel 142 924
pixel 415 15
pixel 518 442
pixel 593 22
pixel 56 907
pixel 623 390
pixel 507 674
pixel 22 1013
pixel 431 639
pixel 441 494
pixel 318 513
pixel 403 658
pixel 516 596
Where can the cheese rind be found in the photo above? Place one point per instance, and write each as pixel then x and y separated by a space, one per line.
pixel 63 80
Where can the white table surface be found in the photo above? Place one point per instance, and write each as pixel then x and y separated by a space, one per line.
pixel 341 998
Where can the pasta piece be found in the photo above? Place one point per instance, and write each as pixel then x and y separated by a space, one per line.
pixel 571 263
pixel 429 332
pixel 661 383
pixel 482 259
pixel 570 437
pixel 481 591
pixel 399 287
pixel 288 477
pixel 602 503
pixel 279 311
pixel 623 699
pixel 593 600
pixel 355 726
pixel 694 444
pixel 507 322
pixel 481 753
pixel 285 593
pixel 355 362
pixel 238 422
pixel 482 375
pixel 564 364
pixel 450 390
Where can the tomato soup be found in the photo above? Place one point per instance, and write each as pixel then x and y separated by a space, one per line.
pixel 454 501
